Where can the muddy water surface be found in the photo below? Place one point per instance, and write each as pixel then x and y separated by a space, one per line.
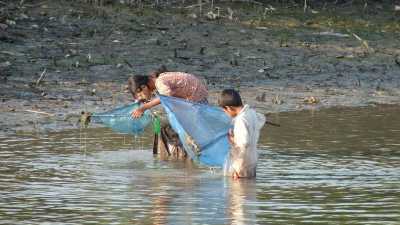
pixel 336 166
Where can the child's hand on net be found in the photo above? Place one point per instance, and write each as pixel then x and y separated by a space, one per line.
pixel 137 113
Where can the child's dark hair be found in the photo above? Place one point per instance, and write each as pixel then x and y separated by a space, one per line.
pixel 136 82
pixel 230 97
pixel 160 70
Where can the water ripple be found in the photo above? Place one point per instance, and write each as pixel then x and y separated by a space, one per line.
pixel 315 169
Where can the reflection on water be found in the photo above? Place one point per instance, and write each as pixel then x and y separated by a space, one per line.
pixel 336 166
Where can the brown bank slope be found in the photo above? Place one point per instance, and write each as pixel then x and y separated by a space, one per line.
pixel 58 58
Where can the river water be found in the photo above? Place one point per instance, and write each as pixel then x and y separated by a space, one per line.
pixel 333 166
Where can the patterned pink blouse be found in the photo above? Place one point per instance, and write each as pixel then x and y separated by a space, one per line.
pixel 181 85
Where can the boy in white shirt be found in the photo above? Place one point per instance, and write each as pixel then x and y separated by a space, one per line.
pixel 247 123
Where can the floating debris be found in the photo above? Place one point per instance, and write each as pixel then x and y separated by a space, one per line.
pixel 212 15
pixel 262 98
pixel 331 33
pixel 41 77
pixel 5 64
pixel 230 13
pixel 84 120
pixel 397 60
pixel 277 100
pixel 350 56
pixel 311 100
pixel 3 26
pixel 364 43
pixel 11 22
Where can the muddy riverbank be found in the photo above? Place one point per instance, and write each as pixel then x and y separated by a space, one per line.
pixel 58 58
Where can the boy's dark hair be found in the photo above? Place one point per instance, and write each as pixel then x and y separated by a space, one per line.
pixel 136 82
pixel 229 97
pixel 160 70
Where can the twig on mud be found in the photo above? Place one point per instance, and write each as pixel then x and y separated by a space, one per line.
pixel 250 1
pixel 176 55
pixel 272 124
pixel 397 60
pixel 42 76
pixel 191 6
pixel 155 27
pixel 38 112
pixel 331 33
pixel 357 37
pixel 129 64
pixel 196 5
pixel 106 36
pixel 200 7
pixel 12 53
pixel 145 26
pixel 37 5
pixel 363 42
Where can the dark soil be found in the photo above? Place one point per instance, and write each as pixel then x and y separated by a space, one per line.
pixel 279 57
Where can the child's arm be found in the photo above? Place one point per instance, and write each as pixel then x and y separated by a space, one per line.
pixel 139 112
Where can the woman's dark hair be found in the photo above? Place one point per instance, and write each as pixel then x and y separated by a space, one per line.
pixel 160 70
pixel 229 97
pixel 136 82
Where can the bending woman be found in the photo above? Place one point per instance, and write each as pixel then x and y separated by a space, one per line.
pixel 176 84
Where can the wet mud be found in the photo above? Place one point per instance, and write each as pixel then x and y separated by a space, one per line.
pixel 58 58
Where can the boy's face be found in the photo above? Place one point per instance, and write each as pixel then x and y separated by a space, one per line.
pixel 229 111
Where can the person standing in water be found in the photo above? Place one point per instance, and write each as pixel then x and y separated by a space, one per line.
pixel 247 123
pixel 175 84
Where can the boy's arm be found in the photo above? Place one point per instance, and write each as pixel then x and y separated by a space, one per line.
pixel 139 112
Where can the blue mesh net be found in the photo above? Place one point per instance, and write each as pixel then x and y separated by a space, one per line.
pixel 202 129
pixel 120 119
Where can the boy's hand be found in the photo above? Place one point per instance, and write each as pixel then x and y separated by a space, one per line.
pixel 230 137
pixel 137 113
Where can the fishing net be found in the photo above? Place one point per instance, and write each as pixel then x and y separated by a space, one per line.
pixel 120 119
pixel 202 129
